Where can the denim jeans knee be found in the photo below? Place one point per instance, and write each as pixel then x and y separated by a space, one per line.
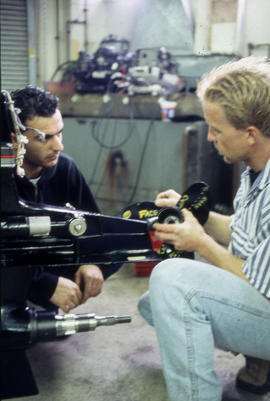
pixel 144 307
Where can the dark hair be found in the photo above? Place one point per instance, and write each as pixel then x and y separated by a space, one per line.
pixel 33 101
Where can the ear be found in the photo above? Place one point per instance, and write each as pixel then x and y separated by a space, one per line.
pixel 253 135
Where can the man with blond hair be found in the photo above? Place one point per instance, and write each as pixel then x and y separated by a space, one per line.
pixel 224 302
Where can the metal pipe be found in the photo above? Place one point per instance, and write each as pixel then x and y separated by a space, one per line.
pixel 240 28
pixel 85 10
pixel 57 37
pixel 188 11
pixel 203 27
pixel 32 65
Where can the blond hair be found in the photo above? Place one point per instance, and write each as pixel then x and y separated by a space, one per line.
pixel 242 88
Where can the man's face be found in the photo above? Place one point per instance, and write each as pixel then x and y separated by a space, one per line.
pixel 44 152
pixel 230 142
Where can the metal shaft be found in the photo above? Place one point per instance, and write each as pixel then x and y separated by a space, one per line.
pixel 70 323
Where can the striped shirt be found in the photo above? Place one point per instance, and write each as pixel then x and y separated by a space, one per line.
pixel 250 227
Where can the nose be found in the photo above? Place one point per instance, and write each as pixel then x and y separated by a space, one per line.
pixel 57 144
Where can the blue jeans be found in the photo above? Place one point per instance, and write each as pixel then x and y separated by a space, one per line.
pixel 194 308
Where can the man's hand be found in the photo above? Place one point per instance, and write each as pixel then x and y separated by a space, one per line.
pixel 186 236
pixel 67 294
pixel 167 198
pixel 90 278
pixel 190 236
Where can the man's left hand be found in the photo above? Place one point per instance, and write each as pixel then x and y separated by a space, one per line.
pixel 90 279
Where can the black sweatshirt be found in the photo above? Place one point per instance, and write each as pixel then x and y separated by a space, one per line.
pixel 58 185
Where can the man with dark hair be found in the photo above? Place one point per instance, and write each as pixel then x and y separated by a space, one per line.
pixel 52 177
pixel 225 301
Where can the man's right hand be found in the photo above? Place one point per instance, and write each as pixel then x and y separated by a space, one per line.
pixel 67 294
pixel 167 198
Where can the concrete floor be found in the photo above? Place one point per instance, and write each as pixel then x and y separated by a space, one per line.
pixel 117 363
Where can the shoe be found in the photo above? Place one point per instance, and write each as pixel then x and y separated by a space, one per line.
pixel 255 376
